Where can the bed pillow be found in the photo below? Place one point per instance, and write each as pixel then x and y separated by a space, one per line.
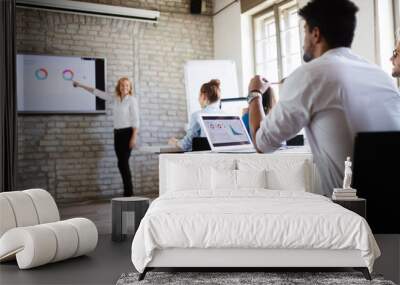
pixel 291 178
pixel 223 179
pixel 183 177
pixel 251 178
pixel 231 180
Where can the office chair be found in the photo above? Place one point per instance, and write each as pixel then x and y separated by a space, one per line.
pixel 295 141
pixel 200 143
pixel 376 176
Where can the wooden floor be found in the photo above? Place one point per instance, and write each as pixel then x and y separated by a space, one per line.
pixel 99 212
pixel 102 266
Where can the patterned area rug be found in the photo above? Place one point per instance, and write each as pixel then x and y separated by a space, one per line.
pixel 243 278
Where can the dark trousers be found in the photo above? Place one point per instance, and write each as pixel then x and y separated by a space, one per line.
pixel 121 146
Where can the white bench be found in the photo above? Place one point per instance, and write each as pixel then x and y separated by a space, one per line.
pixel 31 231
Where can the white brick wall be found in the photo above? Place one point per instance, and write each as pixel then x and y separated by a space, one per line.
pixel 173 6
pixel 73 156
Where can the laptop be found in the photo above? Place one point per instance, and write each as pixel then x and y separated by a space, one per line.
pixel 233 106
pixel 226 133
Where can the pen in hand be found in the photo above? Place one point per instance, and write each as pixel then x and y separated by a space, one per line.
pixel 274 83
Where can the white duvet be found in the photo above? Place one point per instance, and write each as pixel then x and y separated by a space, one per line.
pixel 250 219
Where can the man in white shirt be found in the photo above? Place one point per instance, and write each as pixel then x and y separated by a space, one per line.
pixel 334 96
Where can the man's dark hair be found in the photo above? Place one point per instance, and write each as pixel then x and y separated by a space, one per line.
pixel 336 20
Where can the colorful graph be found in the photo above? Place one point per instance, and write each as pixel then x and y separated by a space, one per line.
pixel 41 74
pixel 68 74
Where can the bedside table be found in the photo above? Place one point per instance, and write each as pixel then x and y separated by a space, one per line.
pixel 358 206
pixel 120 207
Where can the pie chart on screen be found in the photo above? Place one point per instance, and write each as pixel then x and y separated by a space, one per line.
pixel 68 74
pixel 41 74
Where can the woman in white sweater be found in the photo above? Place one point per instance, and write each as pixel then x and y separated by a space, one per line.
pixel 126 124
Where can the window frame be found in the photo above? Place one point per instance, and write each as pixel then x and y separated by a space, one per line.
pixel 396 16
pixel 396 23
pixel 274 9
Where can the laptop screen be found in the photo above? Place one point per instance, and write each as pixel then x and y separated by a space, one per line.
pixel 226 131
pixel 234 106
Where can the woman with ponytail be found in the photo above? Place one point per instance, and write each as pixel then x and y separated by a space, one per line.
pixel 209 97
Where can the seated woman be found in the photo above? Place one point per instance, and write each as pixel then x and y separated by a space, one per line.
pixel 209 98
pixel 268 101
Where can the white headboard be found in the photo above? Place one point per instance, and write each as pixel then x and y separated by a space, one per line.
pixel 233 160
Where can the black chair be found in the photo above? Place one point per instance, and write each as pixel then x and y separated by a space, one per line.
pixel 200 143
pixel 376 176
pixel 295 141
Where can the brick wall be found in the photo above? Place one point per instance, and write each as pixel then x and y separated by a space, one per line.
pixel 72 156
pixel 173 6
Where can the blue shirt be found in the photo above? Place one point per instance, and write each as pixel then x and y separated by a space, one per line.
pixel 195 129
pixel 245 119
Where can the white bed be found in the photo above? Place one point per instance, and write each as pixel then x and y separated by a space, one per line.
pixel 218 223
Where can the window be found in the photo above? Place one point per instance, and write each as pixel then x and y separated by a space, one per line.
pixel 396 7
pixel 277 41
pixel 290 39
pixel 385 22
pixel 396 10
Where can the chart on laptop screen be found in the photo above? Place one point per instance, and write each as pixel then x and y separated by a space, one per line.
pixel 226 131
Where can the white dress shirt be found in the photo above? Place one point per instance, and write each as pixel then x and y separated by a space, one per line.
pixel 333 97
pixel 125 112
